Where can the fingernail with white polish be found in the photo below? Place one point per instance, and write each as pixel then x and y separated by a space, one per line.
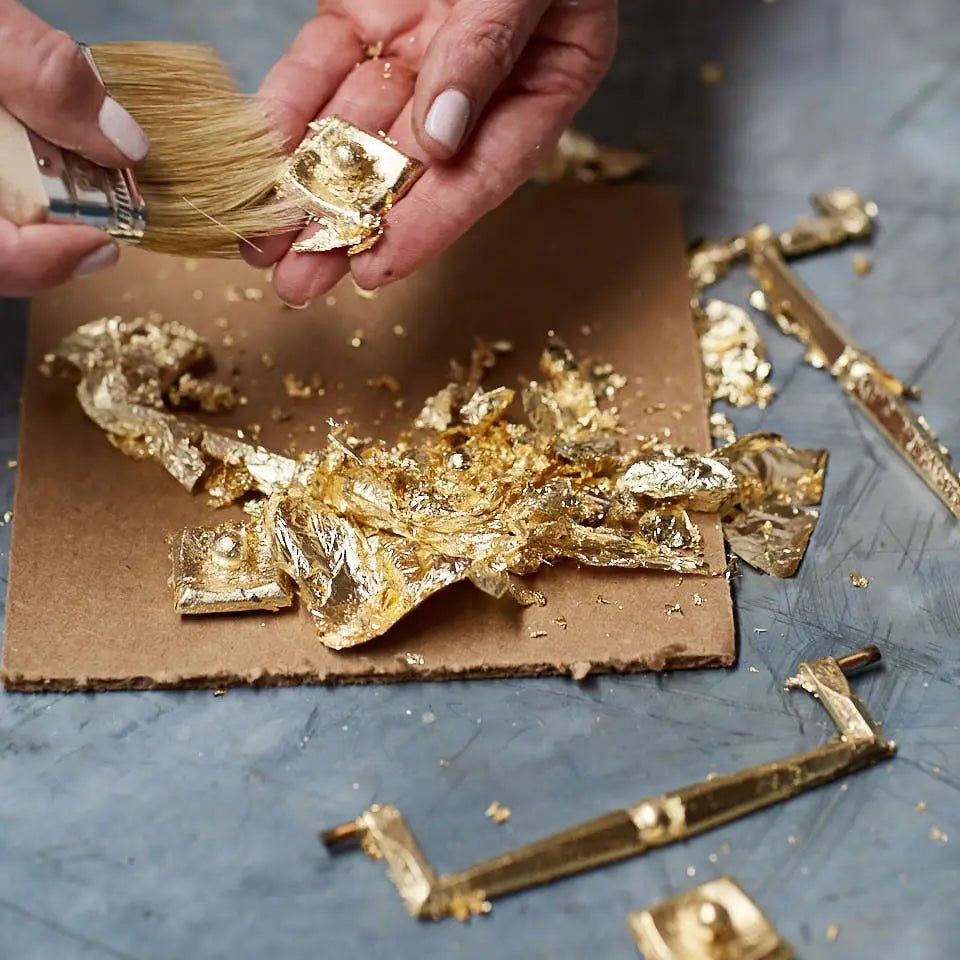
pixel 122 130
pixel 448 118
pixel 100 259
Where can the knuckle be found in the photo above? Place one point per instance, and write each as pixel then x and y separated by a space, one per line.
pixel 496 41
pixel 62 68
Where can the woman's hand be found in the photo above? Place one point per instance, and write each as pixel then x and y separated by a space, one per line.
pixel 479 89
pixel 47 84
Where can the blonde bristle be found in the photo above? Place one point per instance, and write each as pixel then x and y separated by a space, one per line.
pixel 214 159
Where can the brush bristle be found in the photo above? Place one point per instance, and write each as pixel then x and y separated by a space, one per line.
pixel 213 161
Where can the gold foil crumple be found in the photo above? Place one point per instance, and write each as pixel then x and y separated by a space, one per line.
pixel 128 371
pixel 346 180
pixel 735 365
pixel 367 531
pixel 772 521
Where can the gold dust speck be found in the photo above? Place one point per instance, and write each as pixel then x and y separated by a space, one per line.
pixel 691 871
pixel 753 669
pixel 561 622
pixel 372 51
pixel 603 600
pixel 11 464
pixel 832 933
pixel 197 294
pixel 859 581
pixel 399 330
pixel 711 73
pixel 861 265
pixel 921 806
pixel 938 835
pixel 267 360
pixel 190 265
pixel 219 692
pixel 697 600
pixel 331 301
pixel 537 634
pixel 671 608
pixel 357 339
pixel 385 382
pixel 7 516
pixel 414 659
pixel 498 813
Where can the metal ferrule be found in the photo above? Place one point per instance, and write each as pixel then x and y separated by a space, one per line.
pixel 79 191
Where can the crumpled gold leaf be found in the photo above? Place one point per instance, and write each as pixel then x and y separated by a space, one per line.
pixel 771 523
pixel 125 368
pixel 368 532
pixel 735 365
pixel 346 180
pixel 226 569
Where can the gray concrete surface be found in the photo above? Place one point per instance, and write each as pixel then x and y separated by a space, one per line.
pixel 160 825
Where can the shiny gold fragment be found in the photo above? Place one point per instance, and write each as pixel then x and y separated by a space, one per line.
pixel 346 180
pixel 226 569
pixel 210 397
pixel 859 581
pixel 771 523
pixel 722 428
pixel 578 157
pixel 498 813
pixel 653 822
pixel 735 365
pixel 711 73
pixel 716 920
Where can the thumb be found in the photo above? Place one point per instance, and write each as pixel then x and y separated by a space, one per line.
pixel 46 82
pixel 470 56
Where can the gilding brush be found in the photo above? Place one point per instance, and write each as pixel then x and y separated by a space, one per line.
pixel 208 180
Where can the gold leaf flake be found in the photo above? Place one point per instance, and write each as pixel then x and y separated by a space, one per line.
pixel 859 581
pixel 498 813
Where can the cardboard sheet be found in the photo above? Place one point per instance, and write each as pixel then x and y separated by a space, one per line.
pixel 89 606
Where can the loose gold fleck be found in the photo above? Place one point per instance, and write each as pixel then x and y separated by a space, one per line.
pixel 267 360
pixel 372 51
pixel 753 669
pixel 414 659
pixel 357 339
pixel 586 329
pixel 190 265
pixel 11 464
pixel 604 600
pixel 498 813
pixel 297 389
pixel 223 323
pixel 219 692
pixel 832 933
pixel 859 581
pixel 561 622
pixel 938 835
pixel 387 70
pixel 671 608
pixel 921 806
pixel 399 330
pixel 691 871
pixel 698 601
pixel 384 382
pixel 7 516
pixel 725 848
pixel 711 73
pixel 331 301
pixel 861 265
pixel 537 634
pixel 253 293
pixel 792 840
pixel 197 294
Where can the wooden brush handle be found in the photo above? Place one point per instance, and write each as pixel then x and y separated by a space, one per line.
pixel 23 198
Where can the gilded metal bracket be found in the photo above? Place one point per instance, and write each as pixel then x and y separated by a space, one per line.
pixel 654 822
pixel 879 394
pixel 716 920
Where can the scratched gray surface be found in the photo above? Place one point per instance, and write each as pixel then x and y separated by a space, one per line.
pixel 158 825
